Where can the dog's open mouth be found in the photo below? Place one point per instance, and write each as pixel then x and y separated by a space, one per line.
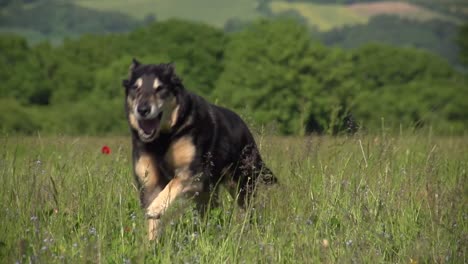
pixel 149 127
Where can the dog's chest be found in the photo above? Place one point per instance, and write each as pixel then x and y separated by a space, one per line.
pixel 178 157
pixel 154 163
pixel 180 153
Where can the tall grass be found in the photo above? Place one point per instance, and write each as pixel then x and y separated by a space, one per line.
pixel 370 199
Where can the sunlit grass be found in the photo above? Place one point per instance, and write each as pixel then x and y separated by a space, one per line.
pixel 323 17
pixel 364 199
pixel 213 12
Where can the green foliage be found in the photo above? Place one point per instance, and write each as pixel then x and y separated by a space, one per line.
pixel 463 43
pixel 456 8
pixel 54 20
pixel 80 80
pixel 266 74
pixel 196 49
pixel 270 72
pixel 61 18
pixel 377 65
pixel 306 87
pixel 435 36
pixel 415 105
pixel 21 72
pixel 15 118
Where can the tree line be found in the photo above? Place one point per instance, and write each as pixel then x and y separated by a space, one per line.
pixel 271 72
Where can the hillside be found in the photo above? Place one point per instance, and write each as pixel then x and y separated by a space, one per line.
pixel 213 12
pixel 427 24
pixel 327 17
pixel 53 20
pixel 322 15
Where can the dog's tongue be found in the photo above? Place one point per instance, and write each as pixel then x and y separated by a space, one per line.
pixel 148 126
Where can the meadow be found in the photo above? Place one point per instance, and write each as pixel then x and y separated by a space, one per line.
pixel 322 16
pixel 349 199
pixel 213 12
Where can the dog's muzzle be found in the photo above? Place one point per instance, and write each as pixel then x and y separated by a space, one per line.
pixel 149 119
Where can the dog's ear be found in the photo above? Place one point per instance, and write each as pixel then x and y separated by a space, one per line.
pixel 125 83
pixel 134 65
pixel 169 69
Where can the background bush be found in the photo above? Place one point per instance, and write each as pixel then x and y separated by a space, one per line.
pixel 271 72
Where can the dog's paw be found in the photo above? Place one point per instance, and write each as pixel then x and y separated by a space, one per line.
pixel 153 215
pixel 154 229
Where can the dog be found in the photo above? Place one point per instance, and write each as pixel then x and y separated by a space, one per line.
pixel 184 146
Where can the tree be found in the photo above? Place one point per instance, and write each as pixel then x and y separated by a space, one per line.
pixel 435 36
pixel 267 74
pixel 463 44
pixel 196 49
pixel 21 72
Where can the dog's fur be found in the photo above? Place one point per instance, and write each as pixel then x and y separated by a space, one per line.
pixel 185 146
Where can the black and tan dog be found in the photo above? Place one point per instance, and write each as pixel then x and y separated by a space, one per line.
pixel 184 146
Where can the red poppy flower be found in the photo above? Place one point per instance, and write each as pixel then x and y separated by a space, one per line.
pixel 105 150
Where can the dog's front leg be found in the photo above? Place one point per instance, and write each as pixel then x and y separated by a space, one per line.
pixel 182 184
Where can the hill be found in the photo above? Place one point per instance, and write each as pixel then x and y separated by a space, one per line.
pixel 54 20
pixel 323 17
pixel 428 24
pixel 327 17
pixel 213 12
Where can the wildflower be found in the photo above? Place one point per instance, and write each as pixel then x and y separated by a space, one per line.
pixel 325 243
pixel 105 150
pixel 349 242
pixel 133 216
pixel 92 231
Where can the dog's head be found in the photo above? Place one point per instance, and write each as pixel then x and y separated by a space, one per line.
pixel 151 98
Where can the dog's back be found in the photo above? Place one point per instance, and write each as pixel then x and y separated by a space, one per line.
pixel 229 150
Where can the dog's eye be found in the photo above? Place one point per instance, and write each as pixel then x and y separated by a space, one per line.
pixel 159 88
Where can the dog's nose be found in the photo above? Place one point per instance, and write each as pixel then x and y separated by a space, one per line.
pixel 144 109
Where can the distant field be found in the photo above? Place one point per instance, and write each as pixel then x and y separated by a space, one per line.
pixel 454 7
pixel 214 12
pixel 401 9
pixel 361 199
pixel 329 16
pixel 324 17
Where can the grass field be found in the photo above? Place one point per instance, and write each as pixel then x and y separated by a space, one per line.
pixel 326 17
pixel 323 17
pixel 360 199
pixel 213 12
